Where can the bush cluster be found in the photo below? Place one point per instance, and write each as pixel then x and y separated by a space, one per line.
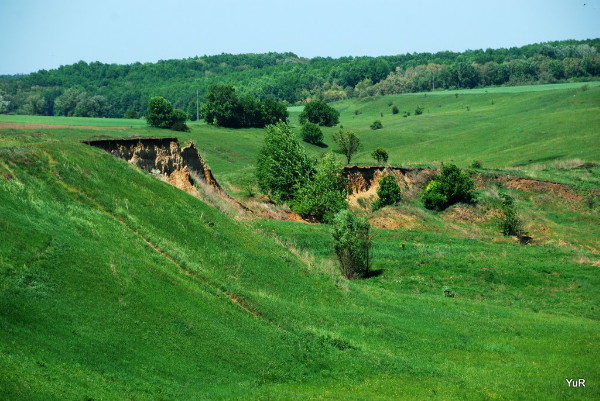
pixel 450 187
pixel 160 114
pixel 224 108
pixel 376 125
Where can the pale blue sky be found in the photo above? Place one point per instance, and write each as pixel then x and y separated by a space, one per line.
pixel 44 34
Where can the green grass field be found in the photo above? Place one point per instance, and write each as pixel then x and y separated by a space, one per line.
pixel 115 285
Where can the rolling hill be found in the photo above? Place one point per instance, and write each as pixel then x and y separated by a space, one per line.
pixel 116 285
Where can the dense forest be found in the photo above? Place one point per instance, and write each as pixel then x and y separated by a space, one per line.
pixel 110 90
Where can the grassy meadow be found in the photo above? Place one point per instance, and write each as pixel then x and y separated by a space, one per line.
pixel 115 285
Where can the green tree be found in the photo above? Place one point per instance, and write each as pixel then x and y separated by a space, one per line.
pixel 35 105
pixel 352 243
pixel 319 112
pixel 4 103
pixel 159 112
pixel 222 106
pixel 347 142
pixel 388 192
pixel 325 193
pixel 65 104
pixel 226 109
pixel 380 154
pixel 283 166
pixel 311 133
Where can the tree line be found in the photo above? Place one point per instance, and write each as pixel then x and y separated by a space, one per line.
pixel 111 90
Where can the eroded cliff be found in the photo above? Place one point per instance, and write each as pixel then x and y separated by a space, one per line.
pixel 164 157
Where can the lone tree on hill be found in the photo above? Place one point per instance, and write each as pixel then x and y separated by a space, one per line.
pixel 348 143
pixel 283 165
pixel 380 154
pixel 319 112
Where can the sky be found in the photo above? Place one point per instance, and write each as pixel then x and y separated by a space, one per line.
pixel 45 34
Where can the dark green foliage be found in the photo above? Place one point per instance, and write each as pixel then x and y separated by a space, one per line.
pixel 433 198
pixel 380 154
pixel 283 166
pixel 131 114
pixel 347 142
pixel 325 194
pixel 476 164
pixel 319 112
pixel 352 243
pixel 450 187
pixel 376 125
pixel 311 133
pixel 224 108
pixel 419 110
pixel 395 109
pixel 159 112
pixel 388 192
pixel 71 103
pixel 509 221
pixel 406 114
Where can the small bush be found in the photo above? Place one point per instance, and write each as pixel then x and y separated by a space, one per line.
pixel 406 114
pixel 131 114
pixel 352 243
pixel 395 110
pixel 476 164
pixel 376 125
pixel 419 110
pixel 180 126
pixel 380 154
pixel 357 112
pixel 509 222
pixel 388 192
pixel 312 133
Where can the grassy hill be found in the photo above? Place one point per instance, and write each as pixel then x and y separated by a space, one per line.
pixel 115 285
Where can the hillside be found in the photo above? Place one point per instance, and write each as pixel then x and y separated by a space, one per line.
pixel 116 285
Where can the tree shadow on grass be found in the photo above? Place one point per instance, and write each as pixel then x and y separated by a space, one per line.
pixel 373 273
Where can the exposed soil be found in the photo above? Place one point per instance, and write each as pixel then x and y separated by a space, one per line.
pixel 163 157
pixel 51 126
pixel 362 178
pixel 533 185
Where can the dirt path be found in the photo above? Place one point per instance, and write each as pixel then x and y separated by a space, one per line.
pixel 51 126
